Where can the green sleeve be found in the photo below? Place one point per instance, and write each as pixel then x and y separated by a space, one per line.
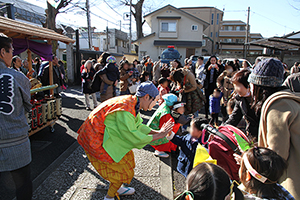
pixel 123 132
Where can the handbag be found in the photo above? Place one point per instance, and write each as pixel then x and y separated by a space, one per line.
pixel 133 88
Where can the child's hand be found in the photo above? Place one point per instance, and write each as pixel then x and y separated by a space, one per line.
pixel 130 73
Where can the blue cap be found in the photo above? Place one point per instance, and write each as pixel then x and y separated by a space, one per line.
pixel 147 88
pixel 170 99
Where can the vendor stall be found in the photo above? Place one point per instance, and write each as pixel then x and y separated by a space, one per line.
pixel 26 37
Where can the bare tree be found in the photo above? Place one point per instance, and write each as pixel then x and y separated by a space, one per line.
pixel 139 8
pixel 63 7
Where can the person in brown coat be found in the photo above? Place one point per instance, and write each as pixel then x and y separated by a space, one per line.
pixel 110 92
pixel 280 119
pixel 225 85
pixel 124 75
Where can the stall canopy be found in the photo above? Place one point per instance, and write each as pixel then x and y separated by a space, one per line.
pixel 40 48
pixel 284 43
pixel 16 29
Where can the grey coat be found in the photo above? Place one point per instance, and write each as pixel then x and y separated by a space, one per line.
pixel 14 104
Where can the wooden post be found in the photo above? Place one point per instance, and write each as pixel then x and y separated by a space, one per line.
pixel 51 76
pixel 29 59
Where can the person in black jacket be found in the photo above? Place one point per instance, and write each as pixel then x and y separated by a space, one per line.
pixel 243 105
pixel 56 76
pixel 212 71
pixel 87 77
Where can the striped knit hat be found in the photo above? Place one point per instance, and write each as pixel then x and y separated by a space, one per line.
pixel 268 73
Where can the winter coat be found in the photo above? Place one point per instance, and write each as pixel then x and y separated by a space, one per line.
pixel 215 104
pixel 111 71
pixel 187 152
pixel 156 72
pixel 224 80
pixel 294 69
pixel 190 78
pixel 293 82
pixel 56 78
pixel 215 76
pixel 279 131
pixel 242 109
pixel 87 78
pixel 123 80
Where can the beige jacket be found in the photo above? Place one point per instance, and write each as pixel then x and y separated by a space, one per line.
pixel 224 80
pixel 190 78
pixel 280 131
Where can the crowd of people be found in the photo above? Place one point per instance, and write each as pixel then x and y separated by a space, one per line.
pixel 256 100
pixel 260 101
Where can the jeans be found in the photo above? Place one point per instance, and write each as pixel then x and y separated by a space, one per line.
pixel 22 182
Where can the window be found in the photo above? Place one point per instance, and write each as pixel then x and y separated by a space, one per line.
pixel 228 40
pixel 242 28
pixel 203 43
pixel 239 40
pixel 238 28
pixel 218 18
pixel 211 34
pixel 216 34
pixel 212 18
pixel 194 28
pixel 168 26
pixel 228 28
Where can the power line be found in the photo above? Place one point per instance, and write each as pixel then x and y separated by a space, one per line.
pixel 96 15
pixel 112 8
pixel 273 21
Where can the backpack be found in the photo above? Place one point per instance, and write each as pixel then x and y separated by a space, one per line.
pixel 223 145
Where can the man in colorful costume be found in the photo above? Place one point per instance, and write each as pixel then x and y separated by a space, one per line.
pixel 113 129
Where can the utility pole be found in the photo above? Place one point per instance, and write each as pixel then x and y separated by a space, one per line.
pixel 130 27
pixel 107 38
pixel 120 25
pixel 88 16
pixel 247 34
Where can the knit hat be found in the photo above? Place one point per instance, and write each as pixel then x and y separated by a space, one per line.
pixel 170 99
pixel 111 59
pixel 268 73
pixel 147 88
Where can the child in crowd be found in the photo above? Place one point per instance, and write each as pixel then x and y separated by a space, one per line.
pixel 210 182
pixel 112 72
pixel 215 106
pixel 144 76
pixel 162 88
pixel 133 80
pixel 259 173
pixel 135 75
pixel 178 115
pixel 188 144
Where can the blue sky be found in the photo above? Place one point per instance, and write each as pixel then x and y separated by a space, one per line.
pixel 270 18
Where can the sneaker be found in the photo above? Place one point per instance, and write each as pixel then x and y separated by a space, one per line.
pixel 126 191
pixel 161 154
pixel 87 108
pixel 105 198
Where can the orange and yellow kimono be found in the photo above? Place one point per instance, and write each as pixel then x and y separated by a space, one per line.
pixel 108 136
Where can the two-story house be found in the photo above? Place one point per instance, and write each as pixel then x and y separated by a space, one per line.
pixel 172 26
pixel 211 34
pixel 232 38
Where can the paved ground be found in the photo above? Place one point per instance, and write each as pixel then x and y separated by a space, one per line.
pixel 60 169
